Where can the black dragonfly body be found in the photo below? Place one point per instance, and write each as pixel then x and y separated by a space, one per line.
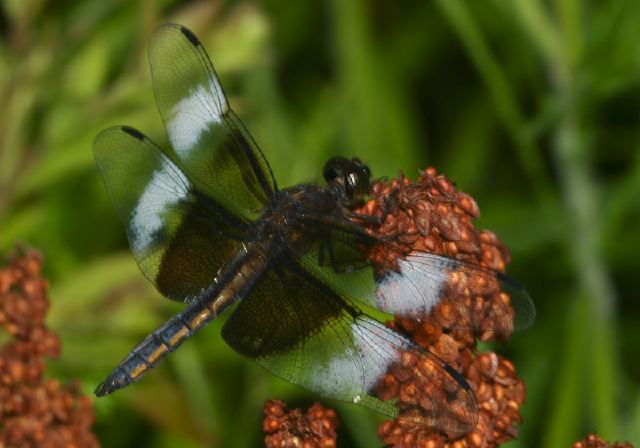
pixel 209 226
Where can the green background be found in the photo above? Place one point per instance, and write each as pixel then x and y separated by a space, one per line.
pixel 532 107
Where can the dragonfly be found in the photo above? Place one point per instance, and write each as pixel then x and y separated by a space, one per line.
pixel 287 267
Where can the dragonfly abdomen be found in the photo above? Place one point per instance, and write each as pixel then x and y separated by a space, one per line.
pixel 146 355
pixel 156 346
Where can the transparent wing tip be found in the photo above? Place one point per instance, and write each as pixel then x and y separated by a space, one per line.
pixel 521 302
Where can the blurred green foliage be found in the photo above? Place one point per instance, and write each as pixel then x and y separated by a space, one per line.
pixel 531 106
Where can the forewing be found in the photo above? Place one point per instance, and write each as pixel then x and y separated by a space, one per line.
pixel 477 298
pixel 378 272
pixel 179 237
pixel 303 331
pixel 212 145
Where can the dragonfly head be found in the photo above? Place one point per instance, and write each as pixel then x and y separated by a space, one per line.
pixel 350 177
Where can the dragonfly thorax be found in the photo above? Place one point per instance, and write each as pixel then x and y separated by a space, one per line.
pixel 289 218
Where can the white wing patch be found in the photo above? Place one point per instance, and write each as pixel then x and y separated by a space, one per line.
pixel 193 115
pixel 378 347
pixel 414 290
pixel 167 187
pixel 351 373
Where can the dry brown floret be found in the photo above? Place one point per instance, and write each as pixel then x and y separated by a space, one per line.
pixel 293 429
pixel 35 412
pixel 431 215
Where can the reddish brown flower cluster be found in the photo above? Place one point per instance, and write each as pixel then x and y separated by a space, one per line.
pixel 593 441
pixel 430 215
pixel 292 429
pixel 35 412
